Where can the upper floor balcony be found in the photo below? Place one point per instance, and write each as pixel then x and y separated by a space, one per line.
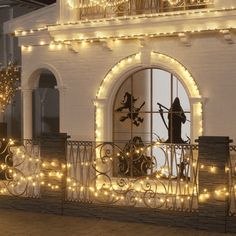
pixel 95 9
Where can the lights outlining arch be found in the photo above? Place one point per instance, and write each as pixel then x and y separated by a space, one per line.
pixel 117 74
pixel 171 64
pixel 122 65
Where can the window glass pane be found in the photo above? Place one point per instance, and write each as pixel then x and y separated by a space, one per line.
pixel 122 130
pixel 159 129
pixel 161 88
pixel 144 108
pixel 186 127
pixel 143 130
pixel 151 105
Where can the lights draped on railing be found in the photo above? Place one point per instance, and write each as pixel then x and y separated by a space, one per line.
pixel 152 175
pixel 112 8
pixel 19 169
pixel 9 82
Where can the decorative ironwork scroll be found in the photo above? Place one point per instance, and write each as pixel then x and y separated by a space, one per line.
pixel 168 181
pixel 20 169
pixel 6 161
pixel 165 175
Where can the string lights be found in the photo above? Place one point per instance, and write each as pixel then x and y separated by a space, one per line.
pixel 73 185
pixel 58 43
pixel 25 32
pixel 183 194
pixel 9 82
pixel 134 61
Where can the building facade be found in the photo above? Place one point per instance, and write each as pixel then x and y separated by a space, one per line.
pixel 91 50
pixel 145 79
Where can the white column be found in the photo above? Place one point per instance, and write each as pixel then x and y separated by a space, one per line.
pixel 27 113
pixel 62 106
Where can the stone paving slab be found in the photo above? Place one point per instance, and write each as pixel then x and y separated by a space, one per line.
pixel 13 222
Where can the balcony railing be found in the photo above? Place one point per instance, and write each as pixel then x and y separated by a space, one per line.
pixel 106 9
pixel 149 175
pixel 152 175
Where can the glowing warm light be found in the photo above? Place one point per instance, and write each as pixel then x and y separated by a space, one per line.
pixel 59 46
pixel 213 169
pixel 52 46
pixel 9 82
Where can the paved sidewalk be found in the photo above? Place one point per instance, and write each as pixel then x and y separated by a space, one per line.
pixel 33 224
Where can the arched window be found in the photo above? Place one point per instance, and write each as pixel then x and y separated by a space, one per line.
pixel 152 105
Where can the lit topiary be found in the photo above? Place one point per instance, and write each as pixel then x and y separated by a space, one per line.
pixel 9 82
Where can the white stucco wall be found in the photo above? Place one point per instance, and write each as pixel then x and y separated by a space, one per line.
pixel 210 60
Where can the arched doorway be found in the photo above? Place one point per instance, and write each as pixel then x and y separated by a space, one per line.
pixel 45 105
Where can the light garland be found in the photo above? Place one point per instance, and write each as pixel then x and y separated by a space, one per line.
pixel 73 186
pixel 58 43
pixel 135 61
pixel 9 82
pixel 25 32
pixel 120 66
pixel 184 73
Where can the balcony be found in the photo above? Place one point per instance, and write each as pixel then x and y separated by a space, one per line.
pixel 95 9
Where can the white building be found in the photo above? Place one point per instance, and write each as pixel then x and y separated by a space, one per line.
pixel 111 71
pixel 91 49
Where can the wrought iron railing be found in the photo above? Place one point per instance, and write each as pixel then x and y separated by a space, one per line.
pixel 80 174
pixel 154 175
pixel 106 9
pixel 232 181
pixel 20 169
